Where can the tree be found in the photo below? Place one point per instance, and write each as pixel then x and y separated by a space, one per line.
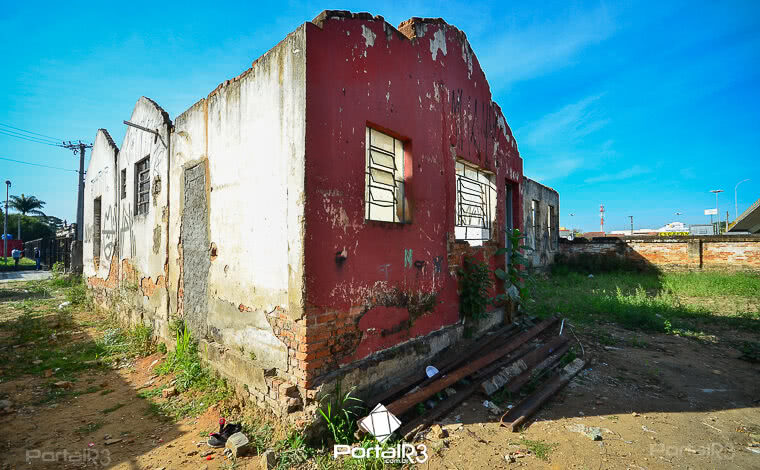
pixel 27 205
pixel 30 205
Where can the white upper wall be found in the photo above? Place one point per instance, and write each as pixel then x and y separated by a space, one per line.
pixel 100 182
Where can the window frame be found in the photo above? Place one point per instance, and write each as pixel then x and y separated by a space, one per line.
pixel 480 184
pixel 395 171
pixel 142 168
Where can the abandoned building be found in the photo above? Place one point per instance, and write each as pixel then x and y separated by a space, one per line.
pixel 306 220
pixel 540 222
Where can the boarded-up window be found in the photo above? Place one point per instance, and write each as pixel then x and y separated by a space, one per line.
pixel 124 183
pixel 96 231
pixel 475 203
pixel 384 187
pixel 142 185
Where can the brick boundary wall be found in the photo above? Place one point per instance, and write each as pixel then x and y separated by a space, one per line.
pixel 739 253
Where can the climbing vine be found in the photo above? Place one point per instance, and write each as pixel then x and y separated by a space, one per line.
pixel 516 274
pixel 476 279
pixel 474 283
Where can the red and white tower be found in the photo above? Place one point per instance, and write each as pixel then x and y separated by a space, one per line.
pixel 601 216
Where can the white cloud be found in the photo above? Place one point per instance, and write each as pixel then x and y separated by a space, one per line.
pixel 554 146
pixel 536 49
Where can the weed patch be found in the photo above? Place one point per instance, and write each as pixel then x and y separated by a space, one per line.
pixel 539 448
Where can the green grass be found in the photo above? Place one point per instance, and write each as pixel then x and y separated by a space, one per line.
pixel 539 448
pixel 646 301
pixel 8 264
pixel 113 408
pixel 90 428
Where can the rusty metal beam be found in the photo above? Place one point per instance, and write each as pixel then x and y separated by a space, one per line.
pixel 408 401
pixel 451 360
pixel 527 361
pixel 517 416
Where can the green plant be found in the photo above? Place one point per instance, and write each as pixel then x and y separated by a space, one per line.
pixel 58 268
pixel 161 348
pixel 77 292
pixel 539 448
pixel 517 274
pixel 340 414
pixel 474 284
pixel 141 339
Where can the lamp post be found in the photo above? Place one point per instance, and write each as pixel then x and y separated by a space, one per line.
pixel 5 224
pixel 716 191
pixel 736 204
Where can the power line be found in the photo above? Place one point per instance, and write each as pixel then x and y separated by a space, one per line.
pixel 29 138
pixel 37 164
pixel 30 132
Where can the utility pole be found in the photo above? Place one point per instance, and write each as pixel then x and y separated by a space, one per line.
pixel 631 217
pixel 76 255
pixel 717 211
pixel 5 224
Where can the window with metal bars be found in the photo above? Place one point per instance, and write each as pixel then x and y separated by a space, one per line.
pixel 384 186
pixel 142 185
pixel 475 203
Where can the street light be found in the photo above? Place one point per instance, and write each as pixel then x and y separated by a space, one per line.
pixel 716 191
pixel 736 204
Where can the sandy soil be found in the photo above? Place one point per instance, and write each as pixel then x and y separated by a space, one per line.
pixel 667 402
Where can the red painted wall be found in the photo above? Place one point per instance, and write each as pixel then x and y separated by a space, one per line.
pixel 364 72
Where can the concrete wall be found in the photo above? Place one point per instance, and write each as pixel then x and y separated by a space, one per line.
pixel 101 183
pixel 541 235
pixel 713 252
pixel 237 204
pixel 374 285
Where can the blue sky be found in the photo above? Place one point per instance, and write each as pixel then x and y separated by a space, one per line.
pixel 644 107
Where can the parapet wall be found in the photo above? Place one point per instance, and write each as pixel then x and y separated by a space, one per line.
pixel 688 252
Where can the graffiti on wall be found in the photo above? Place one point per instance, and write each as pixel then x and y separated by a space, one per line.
pixel 126 232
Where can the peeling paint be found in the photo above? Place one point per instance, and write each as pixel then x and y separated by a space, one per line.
pixel 369 37
pixel 438 43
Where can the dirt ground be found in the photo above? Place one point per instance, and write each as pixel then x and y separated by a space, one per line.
pixel 661 402
pixel 671 403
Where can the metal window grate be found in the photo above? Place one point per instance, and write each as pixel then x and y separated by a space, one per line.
pixel 475 203
pixel 384 178
pixel 142 185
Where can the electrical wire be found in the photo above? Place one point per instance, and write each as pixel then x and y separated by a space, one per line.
pixel 28 138
pixel 37 164
pixel 30 132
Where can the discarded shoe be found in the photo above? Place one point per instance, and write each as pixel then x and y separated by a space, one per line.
pixel 219 439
